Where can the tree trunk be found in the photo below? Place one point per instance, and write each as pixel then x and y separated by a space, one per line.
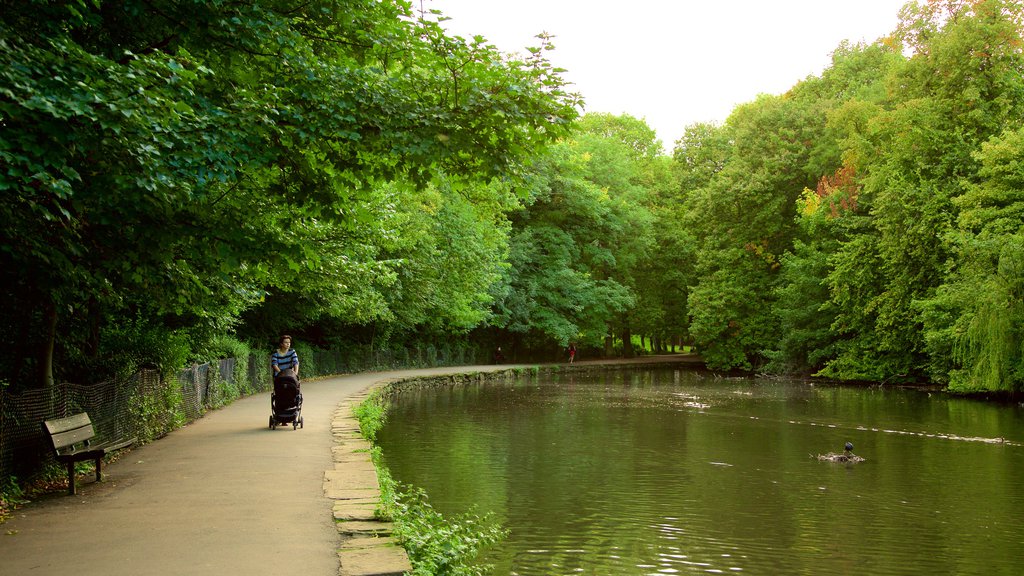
pixel 627 343
pixel 94 328
pixel 46 354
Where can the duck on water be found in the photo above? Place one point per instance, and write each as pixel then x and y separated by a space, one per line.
pixel 846 456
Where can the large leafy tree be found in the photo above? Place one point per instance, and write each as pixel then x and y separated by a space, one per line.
pixel 623 159
pixel 742 220
pixel 558 287
pixel 852 91
pixel 450 250
pixel 178 159
pixel 583 237
pixel 973 323
pixel 958 89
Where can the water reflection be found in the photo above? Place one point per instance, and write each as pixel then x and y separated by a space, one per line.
pixel 662 472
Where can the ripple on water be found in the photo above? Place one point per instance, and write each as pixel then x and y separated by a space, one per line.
pixel 714 477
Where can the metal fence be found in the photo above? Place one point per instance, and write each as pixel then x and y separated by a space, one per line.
pixel 147 406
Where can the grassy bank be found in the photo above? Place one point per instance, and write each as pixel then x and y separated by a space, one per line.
pixel 436 544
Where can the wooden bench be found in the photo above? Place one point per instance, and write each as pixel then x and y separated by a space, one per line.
pixel 71 438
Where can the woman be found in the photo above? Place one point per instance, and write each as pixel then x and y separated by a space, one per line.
pixel 284 357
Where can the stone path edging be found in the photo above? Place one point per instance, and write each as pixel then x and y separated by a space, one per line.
pixel 367 548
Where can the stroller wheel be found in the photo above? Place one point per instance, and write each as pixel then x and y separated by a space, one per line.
pixel 300 422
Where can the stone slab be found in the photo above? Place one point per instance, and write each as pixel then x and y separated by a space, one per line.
pixel 351 494
pixel 342 456
pixel 361 542
pixel 360 509
pixel 372 556
pixel 375 528
pixel 351 477
pixel 353 444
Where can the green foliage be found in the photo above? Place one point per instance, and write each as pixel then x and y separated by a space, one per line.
pixel 350 173
pixel 805 335
pixel 975 317
pixel 548 289
pixel 237 384
pixel 699 155
pixel 639 141
pixel 224 346
pixel 441 545
pixel 450 247
pixel 991 350
pixel 12 495
pixel 899 264
pixel 809 335
pixel 742 221
pixel 128 345
pixel 583 240
pixel 371 414
pixel 157 414
pixel 898 287
pixel 192 162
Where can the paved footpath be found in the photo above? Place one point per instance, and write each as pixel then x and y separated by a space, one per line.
pixel 223 496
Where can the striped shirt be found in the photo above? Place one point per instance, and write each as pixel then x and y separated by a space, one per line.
pixel 284 361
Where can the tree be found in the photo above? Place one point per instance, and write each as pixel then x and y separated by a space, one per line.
pixel 622 155
pixel 557 287
pixel 974 320
pixel 742 220
pixel 178 159
pixel 959 88
pixel 834 214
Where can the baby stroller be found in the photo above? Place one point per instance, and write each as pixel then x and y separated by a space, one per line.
pixel 286 401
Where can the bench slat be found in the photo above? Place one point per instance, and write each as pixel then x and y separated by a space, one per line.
pixel 80 455
pixel 71 437
pixel 64 424
pixel 112 446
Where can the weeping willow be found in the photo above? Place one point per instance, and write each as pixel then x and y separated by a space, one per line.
pixel 991 350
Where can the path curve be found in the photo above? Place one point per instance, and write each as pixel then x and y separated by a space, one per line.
pixel 224 495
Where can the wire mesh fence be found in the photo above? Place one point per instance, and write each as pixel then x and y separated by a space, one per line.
pixel 145 406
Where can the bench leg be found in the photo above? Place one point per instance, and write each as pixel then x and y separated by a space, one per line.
pixel 71 478
pixel 99 469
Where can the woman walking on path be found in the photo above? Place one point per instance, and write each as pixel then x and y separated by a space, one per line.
pixel 284 357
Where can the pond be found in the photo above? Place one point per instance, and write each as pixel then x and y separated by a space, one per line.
pixel 668 471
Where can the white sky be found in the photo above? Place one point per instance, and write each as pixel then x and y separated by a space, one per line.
pixel 676 62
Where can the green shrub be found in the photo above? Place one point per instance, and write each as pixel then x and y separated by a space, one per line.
pixel 157 414
pixel 12 495
pixel 308 359
pixel 442 545
pixel 127 345
pixel 371 414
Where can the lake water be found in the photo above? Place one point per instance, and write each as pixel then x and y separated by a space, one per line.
pixel 624 472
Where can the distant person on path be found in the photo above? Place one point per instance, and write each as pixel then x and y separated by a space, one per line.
pixel 498 356
pixel 284 357
pixel 572 352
